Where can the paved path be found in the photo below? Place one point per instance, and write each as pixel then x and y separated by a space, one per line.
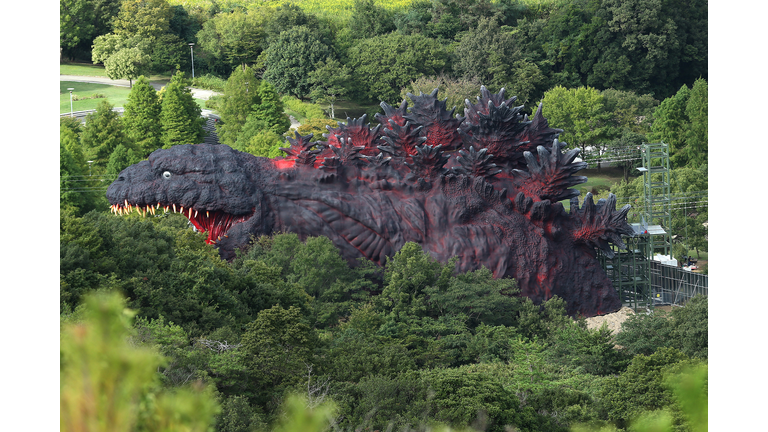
pixel 196 93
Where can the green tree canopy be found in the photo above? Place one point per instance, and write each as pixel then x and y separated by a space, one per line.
pixel 126 63
pixel 581 115
pixel 102 133
pixel 330 82
pixel 236 37
pixel 292 57
pixel 120 159
pixel 180 114
pixel 146 19
pixel 141 117
pixel 369 19
pixel 240 95
pixel 382 66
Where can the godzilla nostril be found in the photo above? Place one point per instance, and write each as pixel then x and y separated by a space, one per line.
pixel 121 178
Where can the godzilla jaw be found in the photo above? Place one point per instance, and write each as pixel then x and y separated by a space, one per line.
pixel 214 222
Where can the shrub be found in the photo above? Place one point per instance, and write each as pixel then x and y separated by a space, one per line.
pixel 305 110
pixel 209 82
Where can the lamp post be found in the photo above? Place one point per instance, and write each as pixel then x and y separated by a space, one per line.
pixel 192 53
pixel 71 111
pixel 89 167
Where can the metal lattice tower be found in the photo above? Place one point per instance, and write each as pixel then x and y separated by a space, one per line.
pixel 657 208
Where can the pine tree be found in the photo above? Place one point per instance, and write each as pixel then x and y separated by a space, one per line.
pixel 120 159
pixel 240 94
pixel 270 109
pixel 697 136
pixel 141 117
pixel 102 133
pixel 70 175
pixel 180 114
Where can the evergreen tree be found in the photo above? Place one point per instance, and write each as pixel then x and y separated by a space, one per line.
pixel 121 159
pixel 180 114
pixel 70 176
pixel 697 137
pixel 270 109
pixel 102 133
pixel 240 95
pixel 141 117
pixel 670 123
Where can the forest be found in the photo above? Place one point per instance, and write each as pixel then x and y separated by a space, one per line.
pixel 289 336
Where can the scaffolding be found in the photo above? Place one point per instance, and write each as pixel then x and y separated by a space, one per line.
pixel 657 198
pixel 629 270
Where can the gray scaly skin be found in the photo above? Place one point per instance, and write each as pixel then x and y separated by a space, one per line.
pixel 369 205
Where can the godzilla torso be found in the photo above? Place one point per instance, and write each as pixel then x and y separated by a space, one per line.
pixel 484 188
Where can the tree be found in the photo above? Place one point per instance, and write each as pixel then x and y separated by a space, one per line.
pixel 141 117
pixel 71 175
pixel 290 59
pixel 579 112
pixel 75 22
pixel 146 19
pixel 485 52
pixel 384 65
pixel 670 123
pixel 642 388
pixel 278 346
pixel 329 83
pixel 240 95
pixel 644 45
pixel 103 132
pixel 108 384
pixel 369 20
pixel 259 142
pixel 455 90
pixel 127 63
pixel 697 137
pixel 236 38
pixel 120 159
pixel 81 21
pixel 269 109
pixel 180 114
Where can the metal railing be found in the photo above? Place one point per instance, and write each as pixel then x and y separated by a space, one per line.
pixel 672 285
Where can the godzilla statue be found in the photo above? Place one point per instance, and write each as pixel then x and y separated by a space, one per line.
pixel 485 188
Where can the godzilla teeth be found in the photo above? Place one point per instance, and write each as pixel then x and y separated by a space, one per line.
pixel 174 208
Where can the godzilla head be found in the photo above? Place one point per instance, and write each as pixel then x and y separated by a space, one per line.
pixel 212 185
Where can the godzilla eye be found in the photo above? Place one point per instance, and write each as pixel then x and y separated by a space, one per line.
pixel 167 174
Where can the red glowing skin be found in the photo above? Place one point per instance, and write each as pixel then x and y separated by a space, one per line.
pixel 284 163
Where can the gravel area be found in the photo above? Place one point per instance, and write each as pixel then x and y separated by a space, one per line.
pixel 613 320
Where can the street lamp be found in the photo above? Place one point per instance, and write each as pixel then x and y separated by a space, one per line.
pixel 192 53
pixel 71 111
pixel 89 167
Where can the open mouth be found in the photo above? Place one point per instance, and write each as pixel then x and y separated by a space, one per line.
pixel 214 222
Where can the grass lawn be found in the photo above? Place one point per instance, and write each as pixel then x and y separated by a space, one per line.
pixel 599 180
pixel 86 69
pixel 116 95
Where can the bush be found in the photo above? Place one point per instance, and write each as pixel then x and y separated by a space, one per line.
pixel 305 110
pixel 209 82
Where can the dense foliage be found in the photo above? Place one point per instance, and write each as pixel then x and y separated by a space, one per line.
pixel 405 345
